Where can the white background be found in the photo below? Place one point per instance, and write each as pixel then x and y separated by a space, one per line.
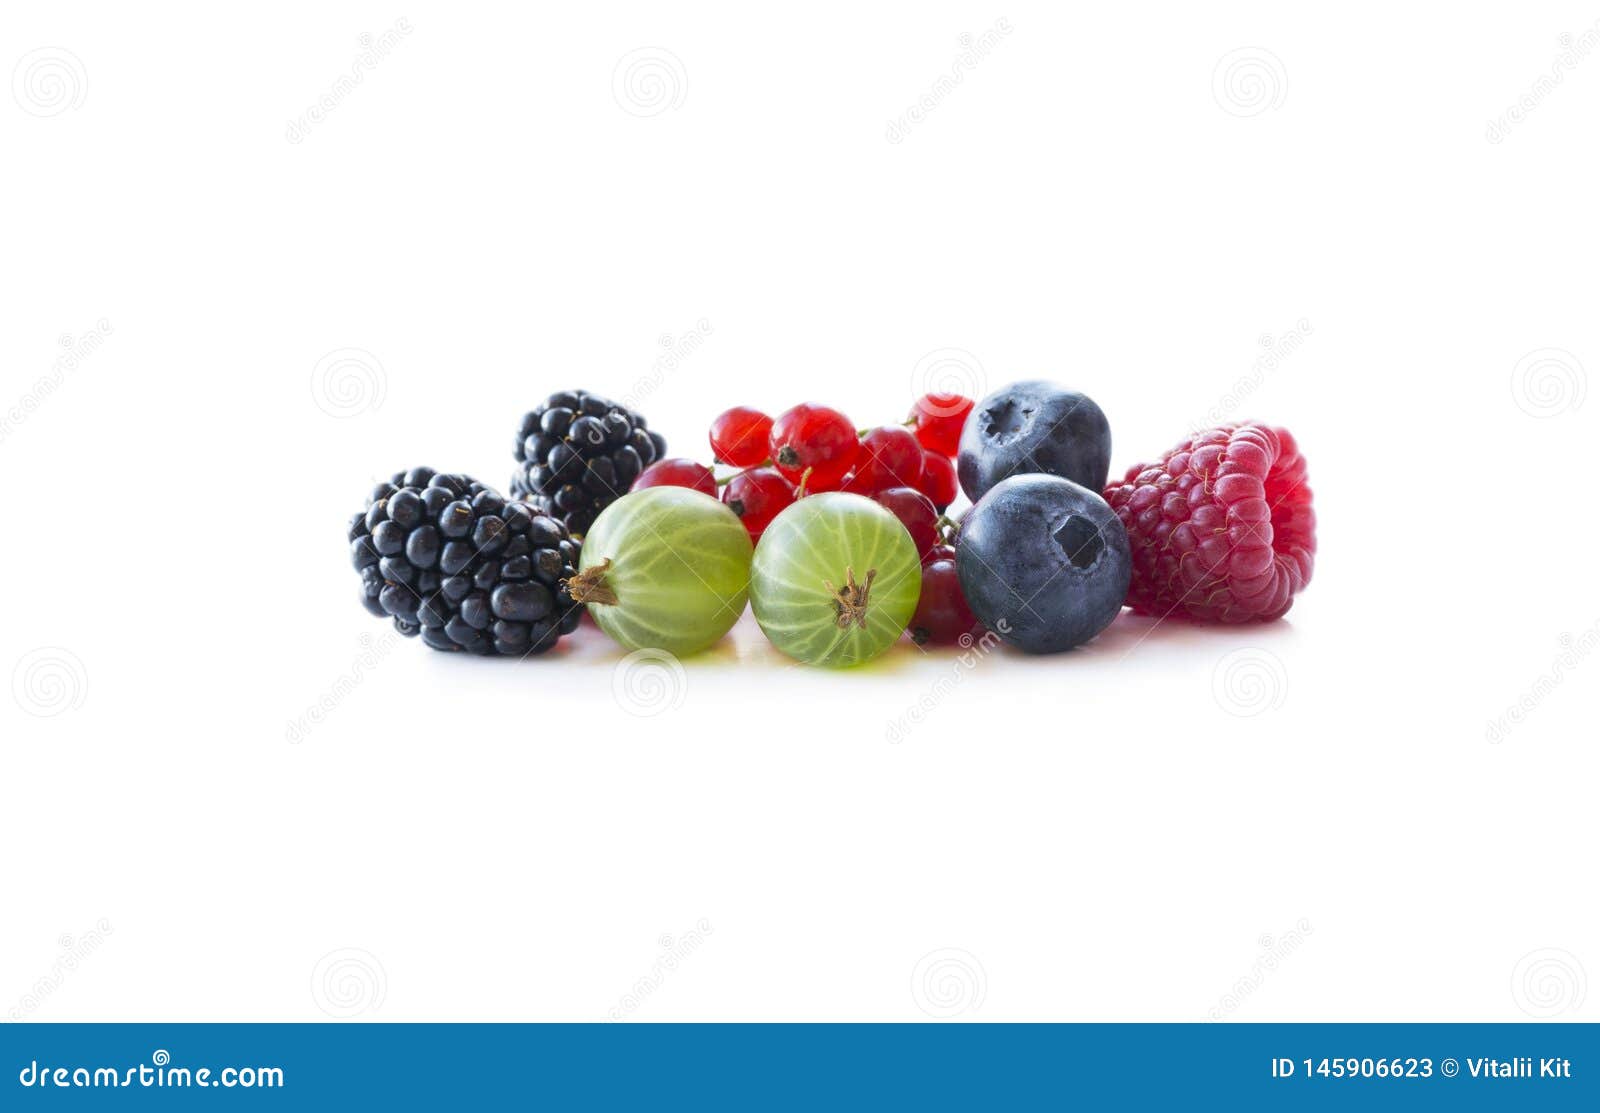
pixel 1306 821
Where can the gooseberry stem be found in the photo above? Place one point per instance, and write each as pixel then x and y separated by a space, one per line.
pixel 850 601
pixel 591 587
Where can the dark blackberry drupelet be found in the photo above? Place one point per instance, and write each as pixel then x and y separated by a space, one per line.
pixel 578 453
pixel 448 558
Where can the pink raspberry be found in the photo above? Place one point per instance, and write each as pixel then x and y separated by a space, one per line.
pixel 1221 527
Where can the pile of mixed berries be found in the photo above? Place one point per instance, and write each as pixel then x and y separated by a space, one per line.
pixel 838 537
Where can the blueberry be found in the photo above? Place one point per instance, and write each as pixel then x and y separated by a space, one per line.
pixel 1043 562
pixel 1029 427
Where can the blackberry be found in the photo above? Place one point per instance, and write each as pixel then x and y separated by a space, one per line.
pixel 448 558
pixel 578 453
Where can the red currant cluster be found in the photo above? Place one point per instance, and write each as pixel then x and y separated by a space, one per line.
pixel 908 469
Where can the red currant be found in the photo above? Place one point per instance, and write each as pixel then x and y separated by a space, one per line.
pixel 678 472
pixel 889 457
pixel 758 496
pixel 916 512
pixel 815 438
pixel 942 616
pixel 938 419
pixel 938 479
pixel 739 437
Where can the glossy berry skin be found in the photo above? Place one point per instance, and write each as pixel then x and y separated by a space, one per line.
pixel 578 452
pixel 739 437
pixel 916 512
pixel 758 496
pixel 1032 427
pixel 1222 526
pixel 1043 562
pixel 678 472
pixel 815 438
pixel 938 420
pixel 889 456
pixel 942 616
pixel 938 479
pixel 939 552
pixel 449 559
